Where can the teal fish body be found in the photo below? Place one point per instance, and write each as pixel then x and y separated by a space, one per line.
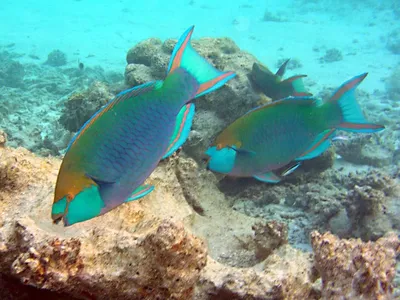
pixel 112 155
pixel 289 130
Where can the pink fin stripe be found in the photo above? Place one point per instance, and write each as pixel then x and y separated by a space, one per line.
pixel 291 79
pixel 348 86
pixel 360 126
pixel 141 192
pixel 324 138
pixel 182 125
pixel 209 84
pixel 179 53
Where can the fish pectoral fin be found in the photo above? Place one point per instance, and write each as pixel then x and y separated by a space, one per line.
pixel 140 192
pixel 242 150
pixel 269 177
pixel 100 182
pixel 182 128
pixel 321 143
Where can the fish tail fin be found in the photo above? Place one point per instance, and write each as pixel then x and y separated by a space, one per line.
pixel 184 56
pixel 352 117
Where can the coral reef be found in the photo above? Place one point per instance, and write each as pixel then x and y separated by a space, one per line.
pixel 268 237
pixel 271 17
pixel 369 204
pixel 294 63
pixel 81 106
pixel 393 84
pixel 393 41
pixel 3 138
pixel 364 150
pixel 12 72
pixel 351 269
pixel 361 204
pixel 331 55
pixel 56 58
pixel 156 247
pixel 29 114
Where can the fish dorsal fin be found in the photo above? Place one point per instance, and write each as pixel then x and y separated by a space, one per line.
pixel 129 93
pixel 282 69
pixel 307 100
pixel 137 90
pixel 183 124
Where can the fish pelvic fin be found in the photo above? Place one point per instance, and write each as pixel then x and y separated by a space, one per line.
pixel 140 192
pixel 269 177
pixel 182 128
pixel 352 117
pixel 208 77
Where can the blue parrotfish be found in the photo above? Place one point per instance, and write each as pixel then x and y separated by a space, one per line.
pixel 111 156
pixel 273 86
pixel 284 133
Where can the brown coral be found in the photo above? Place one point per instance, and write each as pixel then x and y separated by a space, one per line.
pixel 3 138
pixel 269 236
pixel 351 269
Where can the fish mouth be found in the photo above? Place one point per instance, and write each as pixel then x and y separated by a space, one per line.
pixel 59 209
pixel 57 218
pixel 206 162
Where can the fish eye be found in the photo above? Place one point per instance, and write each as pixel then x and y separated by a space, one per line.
pixel 69 197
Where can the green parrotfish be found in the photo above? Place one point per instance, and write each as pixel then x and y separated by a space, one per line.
pixel 272 84
pixel 285 132
pixel 116 150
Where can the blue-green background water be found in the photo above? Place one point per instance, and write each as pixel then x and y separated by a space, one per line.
pixel 363 35
pixel 107 29
pixel 330 41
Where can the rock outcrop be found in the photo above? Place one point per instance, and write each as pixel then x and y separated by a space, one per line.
pixel 160 247
pixel 351 269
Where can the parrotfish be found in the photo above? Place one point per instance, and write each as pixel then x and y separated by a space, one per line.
pixel 110 157
pixel 272 84
pixel 283 133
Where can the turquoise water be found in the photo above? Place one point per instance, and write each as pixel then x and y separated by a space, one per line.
pixel 352 190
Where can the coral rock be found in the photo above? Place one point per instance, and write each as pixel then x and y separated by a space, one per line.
pixel 3 138
pixel 268 237
pixel 81 106
pixel 56 58
pixel 351 269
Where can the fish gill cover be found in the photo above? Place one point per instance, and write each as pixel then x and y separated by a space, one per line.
pixel 328 230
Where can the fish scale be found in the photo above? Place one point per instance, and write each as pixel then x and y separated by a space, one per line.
pixel 115 151
pixel 286 132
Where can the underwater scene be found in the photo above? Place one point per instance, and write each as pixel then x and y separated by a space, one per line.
pixel 199 149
